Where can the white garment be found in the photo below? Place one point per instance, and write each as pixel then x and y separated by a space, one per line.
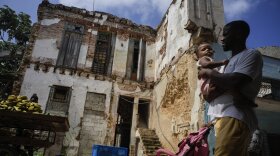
pixel 248 62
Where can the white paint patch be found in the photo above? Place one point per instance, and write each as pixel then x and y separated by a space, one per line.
pixel 48 22
pixel 104 18
pixel 45 48
pixel 120 56
pixel 150 55
pixel 83 54
pixel 94 32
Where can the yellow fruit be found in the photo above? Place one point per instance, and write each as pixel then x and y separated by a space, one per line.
pixel 25 101
pixel 4 106
pixel 22 97
pixel 30 108
pixel 11 97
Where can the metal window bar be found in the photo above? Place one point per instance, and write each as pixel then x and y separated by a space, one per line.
pixel 102 53
pixel 56 105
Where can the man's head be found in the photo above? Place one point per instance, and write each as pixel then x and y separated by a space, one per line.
pixel 235 34
pixel 204 49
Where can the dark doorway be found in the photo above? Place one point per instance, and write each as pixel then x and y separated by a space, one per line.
pixel 143 114
pixel 124 120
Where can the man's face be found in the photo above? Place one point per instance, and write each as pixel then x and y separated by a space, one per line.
pixel 227 39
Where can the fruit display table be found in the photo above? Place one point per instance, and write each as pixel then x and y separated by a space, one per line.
pixel 28 130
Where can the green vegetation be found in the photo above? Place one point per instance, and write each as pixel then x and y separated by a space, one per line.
pixel 14 35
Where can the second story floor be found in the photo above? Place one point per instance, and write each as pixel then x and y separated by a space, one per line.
pixel 95 43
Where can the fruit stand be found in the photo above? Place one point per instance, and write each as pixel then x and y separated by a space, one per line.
pixel 23 132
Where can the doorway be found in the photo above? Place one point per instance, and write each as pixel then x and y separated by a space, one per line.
pixel 143 114
pixel 124 121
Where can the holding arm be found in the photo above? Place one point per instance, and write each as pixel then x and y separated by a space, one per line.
pixel 225 81
pixel 206 62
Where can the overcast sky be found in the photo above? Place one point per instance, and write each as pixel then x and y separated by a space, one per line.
pixel 262 15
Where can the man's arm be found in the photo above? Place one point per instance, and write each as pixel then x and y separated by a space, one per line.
pixel 206 63
pixel 225 81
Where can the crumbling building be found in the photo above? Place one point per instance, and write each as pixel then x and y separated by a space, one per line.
pixel 116 81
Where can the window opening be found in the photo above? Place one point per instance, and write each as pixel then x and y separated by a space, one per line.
pixel 102 53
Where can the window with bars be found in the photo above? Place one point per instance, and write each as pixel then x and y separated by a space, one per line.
pixel 70 48
pixel 59 100
pixel 102 53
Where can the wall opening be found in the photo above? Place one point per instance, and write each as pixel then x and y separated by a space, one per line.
pixel 136 60
pixel 102 53
pixel 124 121
pixel 143 114
pixel 59 100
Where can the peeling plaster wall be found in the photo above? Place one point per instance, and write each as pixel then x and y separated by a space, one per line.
pixel 40 72
pixel 176 37
pixel 173 24
pixel 80 86
pixel 173 101
pixel 178 108
pixel 170 72
pixel 120 55
pixel 150 62
pixel 45 48
pixel 48 22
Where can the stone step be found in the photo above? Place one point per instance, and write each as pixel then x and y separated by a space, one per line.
pixel 147 132
pixel 150 141
pixel 158 145
pixel 154 137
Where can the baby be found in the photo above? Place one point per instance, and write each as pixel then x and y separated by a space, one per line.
pixel 209 91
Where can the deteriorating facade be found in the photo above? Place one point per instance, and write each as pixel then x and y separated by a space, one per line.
pixel 114 79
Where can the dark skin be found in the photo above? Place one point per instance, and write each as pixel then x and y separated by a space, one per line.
pixel 229 81
pixel 230 41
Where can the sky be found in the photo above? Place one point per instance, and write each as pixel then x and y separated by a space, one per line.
pixel 263 16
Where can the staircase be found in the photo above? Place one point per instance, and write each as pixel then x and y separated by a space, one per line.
pixel 150 141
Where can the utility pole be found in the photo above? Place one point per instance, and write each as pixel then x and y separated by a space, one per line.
pixel 93 5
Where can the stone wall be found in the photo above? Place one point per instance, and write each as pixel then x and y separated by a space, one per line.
pixel 177 108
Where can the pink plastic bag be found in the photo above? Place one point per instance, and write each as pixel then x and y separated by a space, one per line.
pixel 195 144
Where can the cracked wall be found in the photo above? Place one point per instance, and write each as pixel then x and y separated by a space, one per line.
pixel 178 108
pixel 40 72
pixel 170 75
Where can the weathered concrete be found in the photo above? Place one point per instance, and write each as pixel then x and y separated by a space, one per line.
pixel 170 75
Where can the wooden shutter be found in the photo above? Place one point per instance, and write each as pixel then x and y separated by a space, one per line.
pixel 73 50
pixel 71 44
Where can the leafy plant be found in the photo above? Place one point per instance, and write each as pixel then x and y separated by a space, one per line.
pixel 15 30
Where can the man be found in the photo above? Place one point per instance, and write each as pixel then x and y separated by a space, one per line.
pixel 234 123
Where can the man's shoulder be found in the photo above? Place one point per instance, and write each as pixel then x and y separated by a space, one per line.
pixel 250 53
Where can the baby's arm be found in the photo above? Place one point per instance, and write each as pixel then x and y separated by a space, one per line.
pixel 205 62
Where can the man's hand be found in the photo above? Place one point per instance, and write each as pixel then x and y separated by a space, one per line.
pixel 204 73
